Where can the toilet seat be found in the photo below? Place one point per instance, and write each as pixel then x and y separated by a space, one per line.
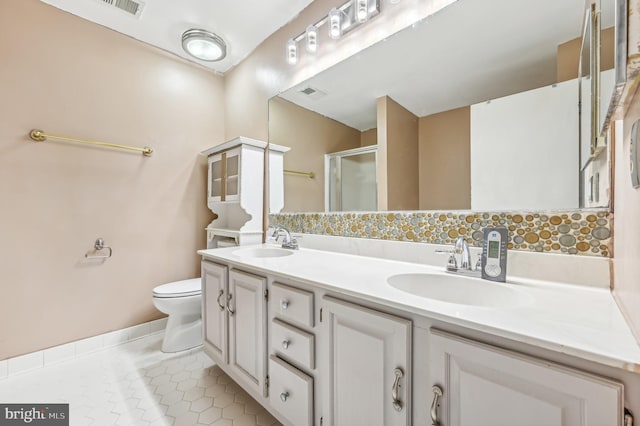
pixel 184 288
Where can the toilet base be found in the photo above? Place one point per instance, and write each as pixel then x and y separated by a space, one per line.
pixel 183 332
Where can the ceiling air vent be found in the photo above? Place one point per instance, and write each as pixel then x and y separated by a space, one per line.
pixel 312 93
pixel 132 7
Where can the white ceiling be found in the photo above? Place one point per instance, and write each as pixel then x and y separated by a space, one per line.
pixel 470 52
pixel 242 24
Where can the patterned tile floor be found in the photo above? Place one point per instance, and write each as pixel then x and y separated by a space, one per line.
pixel 137 385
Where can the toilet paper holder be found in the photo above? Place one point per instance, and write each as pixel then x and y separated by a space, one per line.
pixel 99 246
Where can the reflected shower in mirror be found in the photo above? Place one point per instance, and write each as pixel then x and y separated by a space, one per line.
pixel 474 108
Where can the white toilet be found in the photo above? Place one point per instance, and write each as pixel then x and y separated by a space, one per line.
pixel 182 301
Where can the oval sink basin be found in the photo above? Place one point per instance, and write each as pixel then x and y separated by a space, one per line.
pixel 263 252
pixel 459 290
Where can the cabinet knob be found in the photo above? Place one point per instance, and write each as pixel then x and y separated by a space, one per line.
pixel 284 396
pixel 285 344
pixel 284 304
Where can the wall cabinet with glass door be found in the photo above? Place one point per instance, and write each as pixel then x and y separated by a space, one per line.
pixel 224 182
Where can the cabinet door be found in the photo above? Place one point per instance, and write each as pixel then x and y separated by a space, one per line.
pixel 361 351
pixel 248 328
pixel 487 386
pixel 215 181
pixel 232 175
pixel 214 315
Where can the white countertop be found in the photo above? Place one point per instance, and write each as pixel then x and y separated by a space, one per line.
pixel 569 319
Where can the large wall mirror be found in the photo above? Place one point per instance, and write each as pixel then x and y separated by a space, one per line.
pixel 474 108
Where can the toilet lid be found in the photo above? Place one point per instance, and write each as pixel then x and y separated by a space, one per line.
pixel 191 287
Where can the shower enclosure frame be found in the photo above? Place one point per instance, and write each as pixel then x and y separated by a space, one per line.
pixel 327 173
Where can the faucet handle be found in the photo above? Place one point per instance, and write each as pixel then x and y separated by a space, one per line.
pixel 478 266
pixel 452 263
pixel 291 244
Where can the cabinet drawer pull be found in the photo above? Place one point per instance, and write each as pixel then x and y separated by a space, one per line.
pixel 285 344
pixel 437 393
pixel 284 396
pixel 231 311
pixel 284 304
pixel 218 300
pixel 397 404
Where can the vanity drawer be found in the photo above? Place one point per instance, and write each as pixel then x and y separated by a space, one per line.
pixel 293 343
pixel 290 392
pixel 292 303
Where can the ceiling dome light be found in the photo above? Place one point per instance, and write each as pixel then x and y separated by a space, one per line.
pixel 204 45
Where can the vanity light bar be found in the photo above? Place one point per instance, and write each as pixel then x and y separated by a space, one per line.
pixel 340 21
pixel 292 52
pixel 312 39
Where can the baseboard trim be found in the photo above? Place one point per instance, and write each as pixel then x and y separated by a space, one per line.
pixel 34 360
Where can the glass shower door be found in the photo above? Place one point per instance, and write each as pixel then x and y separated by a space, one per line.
pixel 351 180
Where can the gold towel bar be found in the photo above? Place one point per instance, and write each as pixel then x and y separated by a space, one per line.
pixel 310 175
pixel 40 136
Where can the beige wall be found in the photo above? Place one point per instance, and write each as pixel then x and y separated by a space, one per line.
pixel 65 75
pixel 397 168
pixel 445 160
pixel 369 137
pixel 568 56
pixel 309 135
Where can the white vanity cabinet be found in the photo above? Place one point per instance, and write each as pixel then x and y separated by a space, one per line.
pixel 483 385
pixel 292 364
pixel 247 309
pixel 234 316
pixel 315 356
pixel 214 312
pixel 366 361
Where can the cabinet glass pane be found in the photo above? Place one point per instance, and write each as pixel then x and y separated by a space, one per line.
pixel 216 187
pixel 216 170
pixel 232 165
pixel 232 185
pixel 216 178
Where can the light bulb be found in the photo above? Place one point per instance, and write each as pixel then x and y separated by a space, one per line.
pixel 335 24
pixel 361 8
pixel 312 39
pixel 292 52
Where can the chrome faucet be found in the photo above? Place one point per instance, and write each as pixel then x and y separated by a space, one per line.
pixel 462 248
pixel 288 242
pixel 464 267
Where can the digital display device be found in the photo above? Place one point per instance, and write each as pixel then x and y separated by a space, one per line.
pixel 494 254
pixel 494 249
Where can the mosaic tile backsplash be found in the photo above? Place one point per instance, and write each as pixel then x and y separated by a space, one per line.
pixel 578 232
